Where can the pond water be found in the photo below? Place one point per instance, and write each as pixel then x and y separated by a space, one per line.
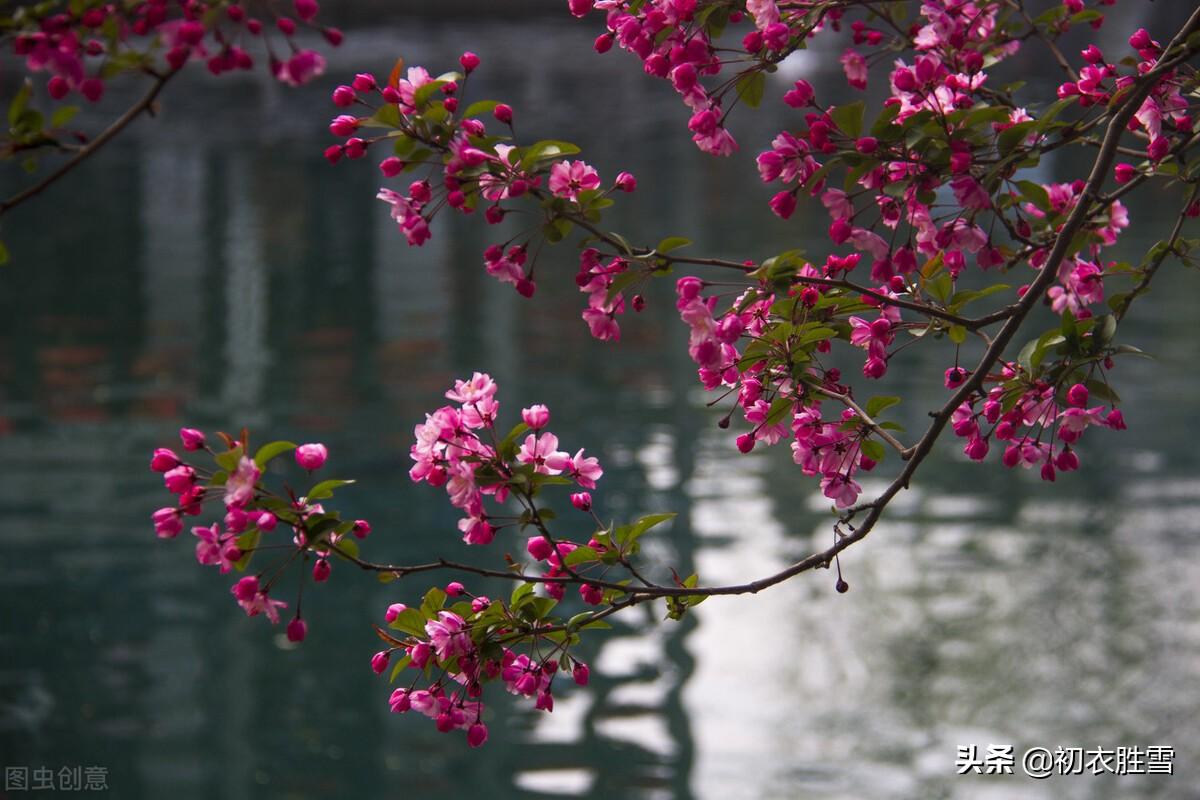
pixel 212 269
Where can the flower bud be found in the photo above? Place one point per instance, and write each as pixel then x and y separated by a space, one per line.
pixel 477 734
pixel 297 630
pixel 580 673
pixel 321 570
pixel 311 456
pixel 393 611
pixel 379 661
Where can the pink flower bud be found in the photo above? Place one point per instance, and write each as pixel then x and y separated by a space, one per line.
pixel 379 661
pixel 538 547
pixel 955 377
pixel 455 589
pixel 286 25
pixel 297 630
pixel 494 215
pixel 246 589
pixel 976 449
pixel 167 522
pixel 799 96
pixel 192 439
pixel 867 145
pixel 1092 54
pixel 626 182
pixel 390 95
pixel 1012 455
pixel 57 87
pixel 603 43
pixel 333 35
pixel 1115 420
pixel 745 442
pixel 536 416
pixel 580 673
pixel 391 166
pixel 503 113
pixel 321 570
pixel 1159 146
pixel 592 595
pixel 266 521
pixel 479 604
pixel 469 62
pixel 1077 395
pixel 343 125
pixel 361 528
pixel 840 231
pixel 582 501
pixel 393 611
pixel 526 287
pixel 477 734
pixel 306 9
pixel 783 204
pixel 333 153
pixel 1140 40
pixel 164 460
pixel 311 456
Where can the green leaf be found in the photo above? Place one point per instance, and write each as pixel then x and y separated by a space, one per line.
pixel 1010 138
pixel 579 555
pixel 849 118
pixel 432 603
pixel 877 405
pixel 750 88
pixel 479 108
pixel 63 115
pixel 519 594
pixel 544 150
pixel 672 243
pixel 271 450
pixel 324 489
pixel 401 663
pixel 410 621
pixel 1036 194
pixel 387 116
pixel 229 459
pixel 19 102
pixel 348 546
pixel 957 333
pixel 873 449
pixel 632 532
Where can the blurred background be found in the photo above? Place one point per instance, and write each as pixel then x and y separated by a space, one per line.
pixel 209 268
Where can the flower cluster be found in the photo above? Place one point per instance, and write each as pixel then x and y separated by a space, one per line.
pixel 470 165
pixel 457 448
pixel 250 513
pixel 462 648
pixel 78 47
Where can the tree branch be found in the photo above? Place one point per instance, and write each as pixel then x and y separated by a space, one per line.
pixel 120 124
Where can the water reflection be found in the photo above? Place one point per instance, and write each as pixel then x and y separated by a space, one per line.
pixel 236 279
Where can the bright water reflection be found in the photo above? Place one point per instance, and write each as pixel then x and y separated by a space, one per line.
pixel 236 279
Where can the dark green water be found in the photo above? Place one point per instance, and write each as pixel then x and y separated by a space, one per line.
pixel 212 270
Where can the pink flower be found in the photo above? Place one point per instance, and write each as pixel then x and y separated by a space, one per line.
pixel 239 486
pixel 311 456
pixel 379 661
pixel 447 636
pixel 541 451
pixel 569 178
pixel 841 489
